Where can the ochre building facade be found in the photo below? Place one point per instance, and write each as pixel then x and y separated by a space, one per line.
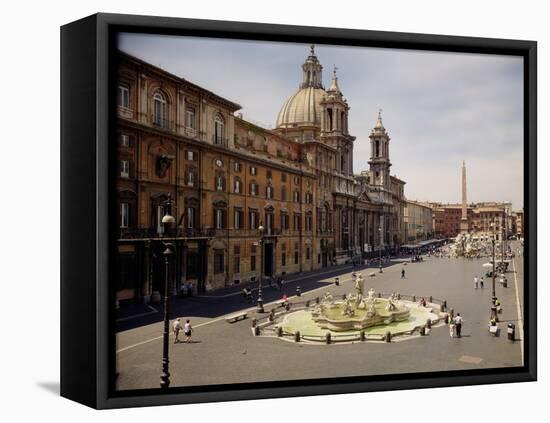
pixel 183 145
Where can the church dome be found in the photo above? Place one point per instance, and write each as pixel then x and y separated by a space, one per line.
pixel 302 108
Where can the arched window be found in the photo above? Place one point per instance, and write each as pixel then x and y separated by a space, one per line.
pixel 283 193
pixel 159 109
pixel 219 130
pixel 269 191
pixel 377 148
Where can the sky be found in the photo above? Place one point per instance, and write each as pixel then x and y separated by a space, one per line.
pixel 438 108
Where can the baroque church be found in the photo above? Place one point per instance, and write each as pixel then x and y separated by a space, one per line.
pixel 367 208
pixel 249 202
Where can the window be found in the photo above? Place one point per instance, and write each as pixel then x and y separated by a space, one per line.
pixel 219 216
pixel 124 96
pixel 377 148
pixel 283 259
pixel 284 221
pixel 237 167
pixel 253 188
pixel 125 168
pixel 220 182
pixel 253 219
pixel 160 214
pixel 308 253
pixel 283 193
pixel 237 186
pixel 218 262
pixel 269 223
pixel 269 191
pixel 124 140
pixel 283 177
pixel 237 264
pixel 190 217
pixel 124 215
pixel 219 128
pixel 309 198
pixel 297 222
pixel 296 180
pixel 253 170
pixel 268 174
pixel 192 155
pixel 252 263
pixel 308 222
pixel 296 257
pixel 238 219
pixel 296 196
pixel 190 178
pixel 190 117
pixel 159 109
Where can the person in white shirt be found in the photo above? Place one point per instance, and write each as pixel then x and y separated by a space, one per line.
pixel 475 282
pixel 458 325
pixel 177 328
pixel 187 330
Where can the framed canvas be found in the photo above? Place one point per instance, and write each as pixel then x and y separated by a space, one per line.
pixel 234 226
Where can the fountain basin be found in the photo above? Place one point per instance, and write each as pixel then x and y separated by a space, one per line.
pixel 333 319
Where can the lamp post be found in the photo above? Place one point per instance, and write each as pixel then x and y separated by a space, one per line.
pixel 260 307
pixel 493 307
pixel 502 242
pixel 167 221
pixel 380 251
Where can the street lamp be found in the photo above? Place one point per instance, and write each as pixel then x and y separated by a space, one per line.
pixel 167 221
pixel 380 251
pixel 260 307
pixel 493 306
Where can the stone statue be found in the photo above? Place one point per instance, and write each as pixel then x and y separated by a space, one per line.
pixel 371 294
pixel 391 303
pixel 348 309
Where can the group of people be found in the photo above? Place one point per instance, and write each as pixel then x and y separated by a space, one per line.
pixel 187 330
pixel 478 282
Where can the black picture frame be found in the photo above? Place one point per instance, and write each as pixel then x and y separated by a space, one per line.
pixel 86 78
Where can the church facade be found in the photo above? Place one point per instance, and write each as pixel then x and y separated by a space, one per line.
pixel 182 146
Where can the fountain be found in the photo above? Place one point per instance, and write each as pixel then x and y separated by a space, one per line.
pixel 356 316
pixel 358 313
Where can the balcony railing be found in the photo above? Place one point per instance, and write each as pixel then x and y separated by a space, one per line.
pixel 162 123
pixel 146 233
pixel 152 233
pixel 217 140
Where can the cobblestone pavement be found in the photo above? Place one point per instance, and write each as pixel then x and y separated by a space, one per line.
pixel 228 353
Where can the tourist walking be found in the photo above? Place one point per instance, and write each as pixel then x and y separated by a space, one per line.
pixel 481 282
pixel 451 328
pixel 177 328
pixel 187 330
pixel 476 281
pixel 458 324
pixel 403 273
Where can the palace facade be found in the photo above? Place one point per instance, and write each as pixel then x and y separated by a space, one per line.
pixel 183 145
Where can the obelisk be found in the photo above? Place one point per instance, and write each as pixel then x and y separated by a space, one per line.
pixel 464 218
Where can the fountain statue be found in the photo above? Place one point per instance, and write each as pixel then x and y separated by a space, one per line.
pixel 357 312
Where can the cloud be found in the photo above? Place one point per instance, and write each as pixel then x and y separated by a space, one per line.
pixel 439 108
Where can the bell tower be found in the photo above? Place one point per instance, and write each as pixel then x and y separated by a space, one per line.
pixel 379 162
pixel 334 127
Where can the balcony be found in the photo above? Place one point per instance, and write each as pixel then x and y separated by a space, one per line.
pixel 152 233
pixel 161 123
pixel 218 140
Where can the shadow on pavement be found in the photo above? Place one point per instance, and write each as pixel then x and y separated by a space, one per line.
pixel 229 300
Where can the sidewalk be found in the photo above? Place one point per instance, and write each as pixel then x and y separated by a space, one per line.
pixel 230 299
